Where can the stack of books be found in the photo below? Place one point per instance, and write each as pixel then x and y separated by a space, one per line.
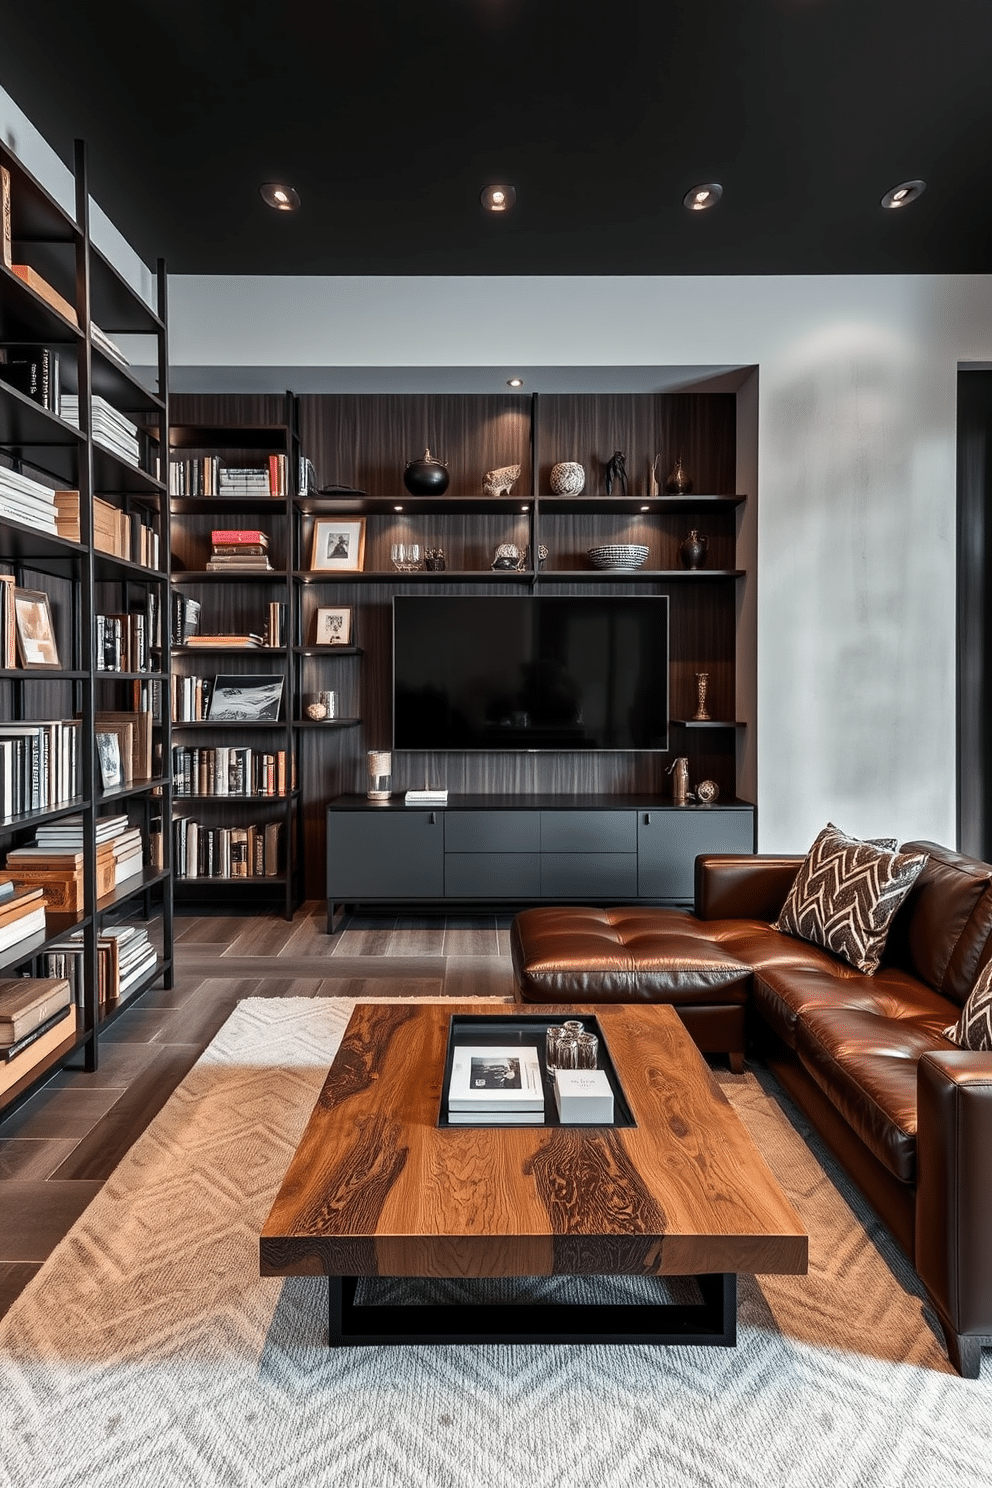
pixel 257 480
pixel 122 534
pixel 22 911
pixel 239 549
pixel 103 341
pixel 496 1086
pixel 29 1007
pixel 221 639
pixel 53 863
pixel 34 280
pixel 110 428
pixel 125 956
pixel 25 500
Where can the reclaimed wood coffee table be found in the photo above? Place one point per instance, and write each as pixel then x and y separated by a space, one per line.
pixel 378 1188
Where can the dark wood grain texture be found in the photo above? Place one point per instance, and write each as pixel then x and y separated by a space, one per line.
pixel 685 1192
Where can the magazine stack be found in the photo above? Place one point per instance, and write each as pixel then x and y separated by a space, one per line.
pixel 495 1086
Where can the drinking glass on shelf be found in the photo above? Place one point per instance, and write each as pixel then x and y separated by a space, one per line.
pixel 398 555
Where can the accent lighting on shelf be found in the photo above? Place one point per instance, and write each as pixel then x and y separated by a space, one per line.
pixel 281 198
pixel 701 198
pixel 499 198
pixel 514 382
pixel 902 195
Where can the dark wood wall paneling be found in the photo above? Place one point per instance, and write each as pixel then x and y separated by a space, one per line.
pixel 366 441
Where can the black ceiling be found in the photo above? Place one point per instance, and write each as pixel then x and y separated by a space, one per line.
pixel 389 116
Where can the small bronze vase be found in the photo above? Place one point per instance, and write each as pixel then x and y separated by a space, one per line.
pixel 678 483
pixel 693 550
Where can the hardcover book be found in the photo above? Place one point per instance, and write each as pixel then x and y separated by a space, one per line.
pixel 495 1079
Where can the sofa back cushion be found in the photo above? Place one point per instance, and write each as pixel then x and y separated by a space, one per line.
pixel 942 929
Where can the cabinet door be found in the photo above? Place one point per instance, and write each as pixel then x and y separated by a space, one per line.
pixel 589 831
pixel 492 875
pixel 669 841
pixel 395 855
pixel 591 876
pixel 492 831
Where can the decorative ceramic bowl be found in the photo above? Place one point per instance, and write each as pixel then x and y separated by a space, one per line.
pixel 618 555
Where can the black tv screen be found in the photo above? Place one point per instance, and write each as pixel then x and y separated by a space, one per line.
pixel 530 672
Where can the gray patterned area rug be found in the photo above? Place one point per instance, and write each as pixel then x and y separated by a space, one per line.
pixel 148 1352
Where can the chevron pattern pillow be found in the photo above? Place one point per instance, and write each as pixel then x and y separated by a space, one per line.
pixel 846 894
pixel 973 1030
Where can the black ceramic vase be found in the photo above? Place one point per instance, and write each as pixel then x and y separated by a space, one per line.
pixel 678 483
pixel 426 477
pixel 693 550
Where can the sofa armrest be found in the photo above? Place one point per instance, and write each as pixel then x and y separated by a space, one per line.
pixel 954 1180
pixel 743 886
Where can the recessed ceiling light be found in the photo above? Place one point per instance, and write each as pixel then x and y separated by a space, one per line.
pixel 282 198
pixel 514 382
pixel 902 195
pixel 700 198
pixel 498 198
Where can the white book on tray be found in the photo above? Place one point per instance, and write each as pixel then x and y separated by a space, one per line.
pixel 495 1078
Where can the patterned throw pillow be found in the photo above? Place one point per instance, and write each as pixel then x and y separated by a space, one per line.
pixel 846 894
pixel 973 1030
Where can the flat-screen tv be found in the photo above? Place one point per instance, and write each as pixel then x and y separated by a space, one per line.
pixel 530 672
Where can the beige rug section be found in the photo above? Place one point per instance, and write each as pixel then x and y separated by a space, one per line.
pixel 148 1351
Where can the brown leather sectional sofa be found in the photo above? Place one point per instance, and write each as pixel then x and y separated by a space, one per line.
pixel 907 1112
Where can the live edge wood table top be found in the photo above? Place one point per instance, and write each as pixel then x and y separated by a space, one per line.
pixel 376 1188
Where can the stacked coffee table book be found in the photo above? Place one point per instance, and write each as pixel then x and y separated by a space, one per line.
pixel 520 1083
pixel 36 1014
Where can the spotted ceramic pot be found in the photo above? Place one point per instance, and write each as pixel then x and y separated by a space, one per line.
pixel 567 478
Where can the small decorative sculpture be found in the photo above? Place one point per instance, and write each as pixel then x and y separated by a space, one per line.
pixel 693 550
pixel 678 483
pixel 507 556
pixel 679 771
pixel 567 478
pixel 701 714
pixel 616 470
pixel 434 561
pixel 498 482
pixel 653 487
pixel 707 792
pixel 379 763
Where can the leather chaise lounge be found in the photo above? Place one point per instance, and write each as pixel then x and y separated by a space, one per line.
pixel 908 1114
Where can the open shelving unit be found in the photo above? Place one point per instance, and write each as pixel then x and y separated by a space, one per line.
pixel 82 581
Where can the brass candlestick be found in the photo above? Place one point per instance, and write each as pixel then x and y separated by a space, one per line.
pixel 701 714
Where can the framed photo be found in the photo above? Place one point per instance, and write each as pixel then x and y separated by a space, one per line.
pixel 338 545
pixel 33 625
pixel 333 626
pixel 109 749
pixel 245 699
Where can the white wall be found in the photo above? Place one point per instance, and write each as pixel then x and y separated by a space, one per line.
pixel 856 471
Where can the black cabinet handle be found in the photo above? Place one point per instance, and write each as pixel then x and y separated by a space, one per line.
pixel 647 818
pixel 432 819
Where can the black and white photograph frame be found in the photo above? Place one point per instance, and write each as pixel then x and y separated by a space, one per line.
pixel 338 545
pixel 332 625
pixel 255 699
pixel 34 629
pixel 108 748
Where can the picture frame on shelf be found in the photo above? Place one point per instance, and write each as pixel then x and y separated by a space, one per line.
pixel 108 746
pixel 338 545
pixel 332 625
pixel 34 629
pixel 254 699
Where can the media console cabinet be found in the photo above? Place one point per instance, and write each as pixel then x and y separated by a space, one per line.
pixel 517 849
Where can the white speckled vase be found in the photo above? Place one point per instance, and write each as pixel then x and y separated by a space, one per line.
pixel 567 478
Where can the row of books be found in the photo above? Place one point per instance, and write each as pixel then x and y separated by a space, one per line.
pixel 125 958
pixel 40 764
pixel 22 911
pixel 200 851
pixel 124 643
pixel 121 534
pixel 206 475
pixel 109 426
pixel 23 499
pixel 34 371
pixel 228 771
pixel 186 617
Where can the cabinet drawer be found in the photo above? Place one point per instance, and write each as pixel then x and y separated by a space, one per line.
pixel 492 875
pixel 588 875
pixel 589 831
pixel 393 855
pixel 492 831
pixel 670 841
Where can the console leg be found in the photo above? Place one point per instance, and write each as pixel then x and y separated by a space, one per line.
pixel 964 1351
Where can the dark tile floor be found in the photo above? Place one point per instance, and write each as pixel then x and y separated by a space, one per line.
pixel 58 1148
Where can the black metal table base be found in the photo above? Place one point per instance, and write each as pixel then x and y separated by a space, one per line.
pixel 712 1321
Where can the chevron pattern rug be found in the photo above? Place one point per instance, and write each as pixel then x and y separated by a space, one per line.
pixel 148 1352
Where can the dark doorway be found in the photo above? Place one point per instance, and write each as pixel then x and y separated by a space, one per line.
pixel 975 613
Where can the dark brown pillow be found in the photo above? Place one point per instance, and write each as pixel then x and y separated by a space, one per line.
pixel 973 1030
pixel 846 894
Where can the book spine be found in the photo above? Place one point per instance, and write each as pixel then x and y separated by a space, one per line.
pixel 6 236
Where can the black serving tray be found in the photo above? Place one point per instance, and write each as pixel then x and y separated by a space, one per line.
pixel 528 1029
